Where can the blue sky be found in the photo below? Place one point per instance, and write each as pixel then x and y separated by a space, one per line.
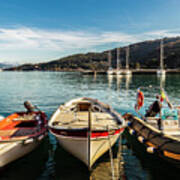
pixel 43 30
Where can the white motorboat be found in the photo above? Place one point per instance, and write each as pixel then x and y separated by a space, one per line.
pixel 86 128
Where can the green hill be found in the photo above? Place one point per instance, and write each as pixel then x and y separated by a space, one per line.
pixel 144 54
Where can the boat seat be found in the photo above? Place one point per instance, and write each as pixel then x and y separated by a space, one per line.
pixel 80 119
pixel 26 117
pixel 7 132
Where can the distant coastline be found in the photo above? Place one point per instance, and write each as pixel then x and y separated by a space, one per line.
pixel 143 55
pixel 134 71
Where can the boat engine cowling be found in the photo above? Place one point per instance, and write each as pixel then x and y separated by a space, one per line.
pixel 29 106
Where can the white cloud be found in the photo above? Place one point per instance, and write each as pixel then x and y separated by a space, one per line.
pixel 162 33
pixel 28 43
pixel 60 40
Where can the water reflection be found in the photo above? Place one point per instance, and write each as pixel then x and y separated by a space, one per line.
pixel 128 81
pixel 49 170
pixel 162 80
pixel 119 81
pixel 50 89
pixel 110 81
pixel 95 77
pixel 102 169
pixel 67 167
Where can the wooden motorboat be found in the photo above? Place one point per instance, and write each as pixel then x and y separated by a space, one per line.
pixel 160 135
pixel 86 128
pixel 20 133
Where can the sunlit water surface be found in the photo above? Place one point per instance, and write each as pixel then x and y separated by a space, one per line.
pixel 48 90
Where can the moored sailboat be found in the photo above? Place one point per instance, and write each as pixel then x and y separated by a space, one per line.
pixel 161 71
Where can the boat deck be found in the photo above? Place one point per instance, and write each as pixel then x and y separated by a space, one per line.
pixel 18 124
pixel 99 120
pixel 169 131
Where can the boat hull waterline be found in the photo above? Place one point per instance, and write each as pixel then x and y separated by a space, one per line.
pixel 77 146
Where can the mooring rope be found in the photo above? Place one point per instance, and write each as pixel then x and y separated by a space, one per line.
pixel 111 155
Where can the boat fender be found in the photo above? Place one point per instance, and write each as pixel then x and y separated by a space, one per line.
pixel 141 139
pixel 151 150
pixel 28 141
pixel 40 137
pixel 129 123
pixel 132 131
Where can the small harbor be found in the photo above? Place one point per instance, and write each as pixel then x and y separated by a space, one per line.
pixel 134 71
pixel 55 162
pixel 89 90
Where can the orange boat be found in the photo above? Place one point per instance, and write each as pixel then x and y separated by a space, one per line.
pixel 20 133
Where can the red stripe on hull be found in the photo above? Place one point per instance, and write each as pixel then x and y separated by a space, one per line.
pixel 84 133
pixel 105 133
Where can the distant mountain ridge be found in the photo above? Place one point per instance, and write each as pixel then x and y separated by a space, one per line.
pixel 142 55
pixel 6 65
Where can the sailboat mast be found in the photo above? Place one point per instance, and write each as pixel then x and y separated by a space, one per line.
pixel 118 59
pixel 109 59
pixel 161 54
pixel 127 57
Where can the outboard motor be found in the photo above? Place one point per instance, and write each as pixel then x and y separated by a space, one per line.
pixel 30 108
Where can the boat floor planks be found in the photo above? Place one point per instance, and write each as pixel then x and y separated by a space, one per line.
pixel 80 120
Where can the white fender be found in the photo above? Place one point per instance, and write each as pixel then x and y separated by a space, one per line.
pixel 27 141
pixel 132 131
pixel 150 150
pixel 140 139
pixel 40 137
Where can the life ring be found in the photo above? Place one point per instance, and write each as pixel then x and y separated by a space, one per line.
pixel 140 100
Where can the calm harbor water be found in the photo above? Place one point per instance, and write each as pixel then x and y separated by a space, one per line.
pixel 48 90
